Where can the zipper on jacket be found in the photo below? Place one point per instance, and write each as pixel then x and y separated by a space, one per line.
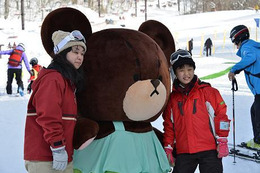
pixel 180 105
pixel 194 106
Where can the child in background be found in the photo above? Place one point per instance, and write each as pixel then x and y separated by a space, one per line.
pixel 201 137
pixel 34 73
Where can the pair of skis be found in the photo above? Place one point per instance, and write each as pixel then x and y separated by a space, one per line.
pixel 242 151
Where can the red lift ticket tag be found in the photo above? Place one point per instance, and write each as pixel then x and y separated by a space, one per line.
pixel 224 125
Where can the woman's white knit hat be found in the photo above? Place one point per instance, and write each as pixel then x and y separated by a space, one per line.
pixel 59 35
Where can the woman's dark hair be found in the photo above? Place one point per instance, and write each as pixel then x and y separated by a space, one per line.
pixel 67 70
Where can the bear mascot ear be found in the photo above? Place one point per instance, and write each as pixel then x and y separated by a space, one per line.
pixel 163 37
pixel 66 19
pixel 69 19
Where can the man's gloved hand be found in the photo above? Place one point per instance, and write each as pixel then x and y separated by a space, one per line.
pixel 168 150
pixel 60 158
pixel 222 147
pixel 231 76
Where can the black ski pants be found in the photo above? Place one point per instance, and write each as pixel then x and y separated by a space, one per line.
pixel 18 77
pixel 255 118
pixel 208 51
pixel 207 161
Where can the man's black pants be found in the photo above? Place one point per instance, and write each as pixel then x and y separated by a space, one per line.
pixel 255 118
pixel 18 77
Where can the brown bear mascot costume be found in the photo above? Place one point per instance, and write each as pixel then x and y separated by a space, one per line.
pixel 127 85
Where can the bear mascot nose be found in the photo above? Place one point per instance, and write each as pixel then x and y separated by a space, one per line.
pixel 155 83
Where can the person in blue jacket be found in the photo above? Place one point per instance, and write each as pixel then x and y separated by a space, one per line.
pixel 17 55
pixel 249 51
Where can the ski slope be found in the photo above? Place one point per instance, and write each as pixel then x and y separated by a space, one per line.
pixel 198 26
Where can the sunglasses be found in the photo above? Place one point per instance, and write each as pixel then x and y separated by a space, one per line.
pixel 73 36
pixel 175 58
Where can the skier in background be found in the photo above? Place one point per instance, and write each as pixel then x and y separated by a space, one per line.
pixel 190 45
pixel 17 55
pixel 249 51
pixel 208 45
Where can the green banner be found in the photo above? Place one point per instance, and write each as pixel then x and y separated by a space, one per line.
pixel 215 75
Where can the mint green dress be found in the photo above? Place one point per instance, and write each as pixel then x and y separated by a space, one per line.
pixel 122 152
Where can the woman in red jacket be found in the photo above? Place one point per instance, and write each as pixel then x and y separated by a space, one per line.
pixel 52 108
pixel 198 135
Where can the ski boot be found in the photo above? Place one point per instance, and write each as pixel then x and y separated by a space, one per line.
pixel 252 144
pixel 21 91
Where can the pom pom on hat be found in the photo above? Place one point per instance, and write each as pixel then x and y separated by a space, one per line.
pixel 59 35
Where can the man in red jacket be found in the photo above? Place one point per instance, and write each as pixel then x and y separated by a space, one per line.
pixel 200 138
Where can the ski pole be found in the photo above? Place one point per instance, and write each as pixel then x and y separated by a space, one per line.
pixel 234 88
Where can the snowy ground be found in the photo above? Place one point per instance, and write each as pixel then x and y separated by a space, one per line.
pixel 216 25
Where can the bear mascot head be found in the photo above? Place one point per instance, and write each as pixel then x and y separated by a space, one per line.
pixel 127 85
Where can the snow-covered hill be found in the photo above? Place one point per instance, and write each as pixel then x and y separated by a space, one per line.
pixel 198 26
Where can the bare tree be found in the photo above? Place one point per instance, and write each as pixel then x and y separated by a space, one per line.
pixel 36 7
pixel 22 13
pixel 17 5
pixel 74 1
pixel 6 9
